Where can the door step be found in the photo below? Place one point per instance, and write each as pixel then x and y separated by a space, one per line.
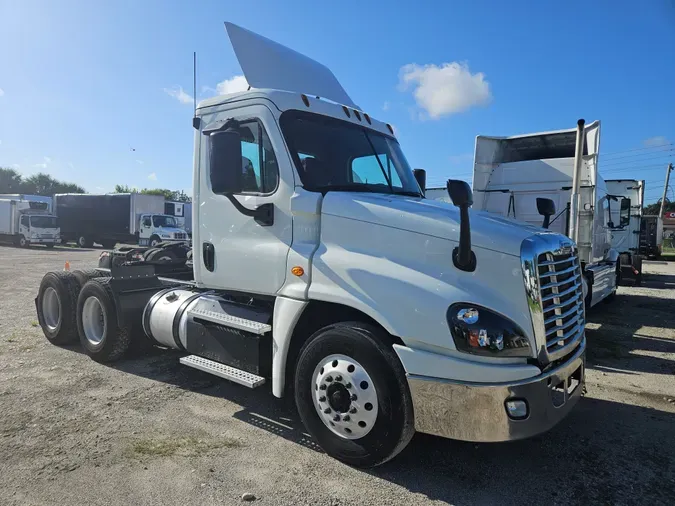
pixel 224 371
pixel 226 320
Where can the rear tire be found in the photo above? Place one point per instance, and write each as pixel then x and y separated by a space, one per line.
pixel 365 349
pixel 84 275
pixel 84 242
pixel 100 333
pixel 56 307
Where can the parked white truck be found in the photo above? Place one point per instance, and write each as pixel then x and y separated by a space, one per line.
pixel 115 218
pixel 182 211
pixel 320 266
pixel 513 175
pixel 626 218
pixel 26 222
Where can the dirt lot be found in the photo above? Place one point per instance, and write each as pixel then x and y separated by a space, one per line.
pixel 150 431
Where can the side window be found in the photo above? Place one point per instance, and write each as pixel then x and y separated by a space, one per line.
pixel 258 164
pixel 367 169
pixel 624 213
pixel 24 221
pixel 146 221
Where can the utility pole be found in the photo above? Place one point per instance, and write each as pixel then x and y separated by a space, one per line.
pixel 665 189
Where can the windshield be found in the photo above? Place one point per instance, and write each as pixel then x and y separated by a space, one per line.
pixel 331 154
pixel 44 221
pixel 164 221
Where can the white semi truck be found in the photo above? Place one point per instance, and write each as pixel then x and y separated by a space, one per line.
pixel 25 222
pixel 626 218
pixel 320 266
pixel 116 218
pixel 514 176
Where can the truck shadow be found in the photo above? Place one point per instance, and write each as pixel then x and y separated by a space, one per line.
pixel 567 465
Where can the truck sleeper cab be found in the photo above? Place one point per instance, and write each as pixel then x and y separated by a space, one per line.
pixel 320 266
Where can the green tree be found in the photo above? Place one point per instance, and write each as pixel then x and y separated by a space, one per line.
pixel 38 184
pixel 10 181
pixel 653 209
pixel 178 195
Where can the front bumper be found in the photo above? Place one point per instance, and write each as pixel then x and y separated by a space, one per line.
pixel 36 240
pixel 477 411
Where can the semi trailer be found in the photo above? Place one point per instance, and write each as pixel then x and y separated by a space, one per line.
pixel 25 222
pixel 115 218
pixel 513 176
pixel 627 198
pixel 319 267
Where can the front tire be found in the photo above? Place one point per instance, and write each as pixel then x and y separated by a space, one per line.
pixel 352 395
pixel 101 336
pixel 154 241
pixel 56 305
pixel 23 242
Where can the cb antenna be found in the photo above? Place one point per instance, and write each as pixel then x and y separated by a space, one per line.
pixel 195 119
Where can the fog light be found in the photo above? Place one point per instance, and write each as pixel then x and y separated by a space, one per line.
pixel 516 409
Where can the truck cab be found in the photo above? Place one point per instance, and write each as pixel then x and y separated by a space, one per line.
pixel 156 228
pixel 39 229
pixel 320 267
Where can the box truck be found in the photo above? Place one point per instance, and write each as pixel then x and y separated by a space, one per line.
pixel 117 217
pixel 182 211
pixel 24 222
pixel 320 266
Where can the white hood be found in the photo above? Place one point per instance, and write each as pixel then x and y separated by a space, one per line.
pixel 429 217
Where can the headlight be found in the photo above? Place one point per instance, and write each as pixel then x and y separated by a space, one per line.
pixel 166 236
pixel 483 332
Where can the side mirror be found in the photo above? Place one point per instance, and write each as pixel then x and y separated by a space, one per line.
pixel 421 178
pixel 225 168
pixel 461 195
pixel 545 207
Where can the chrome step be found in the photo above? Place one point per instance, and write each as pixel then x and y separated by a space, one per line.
pixel 227 320
pixel 224 371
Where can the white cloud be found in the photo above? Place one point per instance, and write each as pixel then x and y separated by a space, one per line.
pixel 654 142
pixel 386 106
pixel 16 166
pixel 44 164
pixel 446 89
pixel 2 92
pixel 179 94
pixel 233 85
pixel 152 176
pixel 139 162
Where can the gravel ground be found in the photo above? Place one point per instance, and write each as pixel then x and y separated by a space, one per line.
pixel 150 431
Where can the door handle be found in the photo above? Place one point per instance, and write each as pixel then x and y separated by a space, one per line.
pixel 209 256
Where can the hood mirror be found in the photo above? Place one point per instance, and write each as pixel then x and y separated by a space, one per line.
pixel 461 196
pixel 545 207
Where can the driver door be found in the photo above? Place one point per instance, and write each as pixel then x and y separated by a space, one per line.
pixel 234 251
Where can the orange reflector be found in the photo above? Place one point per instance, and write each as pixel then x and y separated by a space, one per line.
pixel 66 267
pixel 297 271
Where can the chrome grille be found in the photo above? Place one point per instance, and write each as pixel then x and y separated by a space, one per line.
pixel 562 299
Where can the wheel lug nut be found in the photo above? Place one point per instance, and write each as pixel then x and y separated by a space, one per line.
pixel 327 410
pixel 329 379
pixel 348 385
pixel 352 410
pixel 336 418
pixel 322 387
pixel 346 418
pixel 338 378
pixel 322 398
pixel 354 397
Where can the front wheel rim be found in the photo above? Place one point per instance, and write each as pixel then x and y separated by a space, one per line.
pixel 51 309
pixel 82 242
pixel 344 396
pixel 94 321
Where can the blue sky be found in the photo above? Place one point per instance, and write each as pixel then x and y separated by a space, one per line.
pixel 84 84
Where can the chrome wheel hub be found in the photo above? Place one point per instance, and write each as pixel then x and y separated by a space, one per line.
pixel 344 396
pixel 51 308
pixel 93 320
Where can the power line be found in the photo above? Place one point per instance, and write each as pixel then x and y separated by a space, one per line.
pixel 638 161
pixel 637 149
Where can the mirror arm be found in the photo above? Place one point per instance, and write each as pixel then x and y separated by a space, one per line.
pixel 263 215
